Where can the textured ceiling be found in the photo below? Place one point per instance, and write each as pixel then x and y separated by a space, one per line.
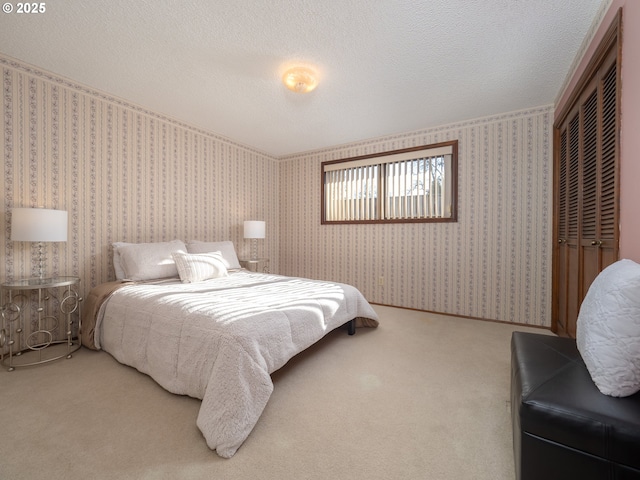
pixel 386 66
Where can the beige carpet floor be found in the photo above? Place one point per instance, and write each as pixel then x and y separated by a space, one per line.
pixel 423 396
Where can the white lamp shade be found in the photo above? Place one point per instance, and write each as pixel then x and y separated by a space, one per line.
pixel 254 229
pixel 38 225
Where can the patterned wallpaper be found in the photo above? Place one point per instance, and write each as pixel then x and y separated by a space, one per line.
pixel 128 174
pixel 123 174
pixel 494 263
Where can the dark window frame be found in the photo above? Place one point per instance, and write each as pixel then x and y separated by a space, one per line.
pixel 385 158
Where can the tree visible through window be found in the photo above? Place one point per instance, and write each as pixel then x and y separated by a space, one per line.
pixel 410 185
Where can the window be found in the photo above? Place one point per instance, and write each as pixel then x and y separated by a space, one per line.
pixel 410 185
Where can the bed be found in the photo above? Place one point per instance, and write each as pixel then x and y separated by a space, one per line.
pixel 217 338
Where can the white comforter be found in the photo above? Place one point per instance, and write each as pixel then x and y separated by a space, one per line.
pixel 221 339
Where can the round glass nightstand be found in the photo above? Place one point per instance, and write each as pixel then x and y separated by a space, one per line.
pixel 51 304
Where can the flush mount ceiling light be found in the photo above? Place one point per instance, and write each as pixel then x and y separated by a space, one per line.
pixel 300 79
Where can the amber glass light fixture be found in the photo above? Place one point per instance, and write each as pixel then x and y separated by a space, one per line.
pixel 300 79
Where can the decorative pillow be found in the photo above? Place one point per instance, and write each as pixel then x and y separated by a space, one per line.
pixel 196 267
pixel 225 248
pixel 146 261
pixel 117 260
pixel 608 329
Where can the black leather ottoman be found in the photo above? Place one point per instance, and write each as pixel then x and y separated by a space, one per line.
pixel 563 427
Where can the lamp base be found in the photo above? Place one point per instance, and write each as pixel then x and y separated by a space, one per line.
pixel 41 260
pixel 254 249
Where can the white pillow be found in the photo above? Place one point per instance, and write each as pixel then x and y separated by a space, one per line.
pixel 608 329
pixel 195 267
pixel 147 261
pixel 225 248
pixel 117 260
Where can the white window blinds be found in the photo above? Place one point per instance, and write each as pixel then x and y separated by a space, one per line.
pixel 408 185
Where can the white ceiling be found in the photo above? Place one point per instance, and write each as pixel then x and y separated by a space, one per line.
pixel 386 66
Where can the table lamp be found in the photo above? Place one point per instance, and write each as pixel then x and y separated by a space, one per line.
pixel 254 229
pixel 38 225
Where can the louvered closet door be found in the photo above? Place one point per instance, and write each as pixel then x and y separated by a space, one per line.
pixel 586 212
pixel 599 241
pixel 568 264
pixel 561 271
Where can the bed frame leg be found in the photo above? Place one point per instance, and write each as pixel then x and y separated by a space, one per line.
pixel 351 326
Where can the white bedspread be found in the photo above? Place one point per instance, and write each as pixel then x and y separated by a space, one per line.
pixel 221 339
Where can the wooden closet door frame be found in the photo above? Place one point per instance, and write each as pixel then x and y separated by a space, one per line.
pixel 562 296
